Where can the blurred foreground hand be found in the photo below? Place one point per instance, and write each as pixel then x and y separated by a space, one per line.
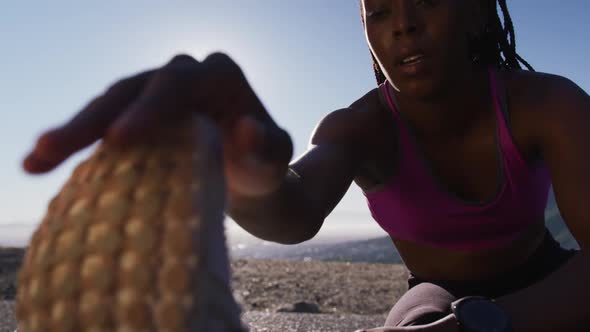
pixel 256 150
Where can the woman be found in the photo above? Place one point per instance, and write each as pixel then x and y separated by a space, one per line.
pixel 454 151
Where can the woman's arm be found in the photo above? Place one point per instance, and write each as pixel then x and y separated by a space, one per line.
pixel 314 185
pixel 562 130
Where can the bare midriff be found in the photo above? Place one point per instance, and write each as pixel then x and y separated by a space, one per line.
pixel 433 263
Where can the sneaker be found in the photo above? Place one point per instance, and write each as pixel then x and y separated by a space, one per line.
pixel 135 241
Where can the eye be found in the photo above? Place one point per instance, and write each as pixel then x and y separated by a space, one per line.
pixel 376 13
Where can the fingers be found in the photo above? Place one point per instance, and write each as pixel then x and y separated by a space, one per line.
pixel 279 145
pixel 263 142
pixel 257 156
pixel 86 127
pixel 181 86
pixel 131 109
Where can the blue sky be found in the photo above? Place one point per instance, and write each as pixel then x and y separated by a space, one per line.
pixel 304 58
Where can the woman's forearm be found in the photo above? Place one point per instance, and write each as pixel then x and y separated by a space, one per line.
pixel 557 303
pixel 286 216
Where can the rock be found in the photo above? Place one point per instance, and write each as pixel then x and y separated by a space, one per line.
pixel 8 293
pixel 301 307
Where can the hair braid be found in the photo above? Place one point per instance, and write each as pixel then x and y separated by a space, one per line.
pixel 512 59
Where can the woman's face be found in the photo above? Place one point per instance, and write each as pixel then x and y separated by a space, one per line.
pixel 419 44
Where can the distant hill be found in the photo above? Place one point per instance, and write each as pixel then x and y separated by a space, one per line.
pixel 560 232
pixel 556 226
pixel 379 250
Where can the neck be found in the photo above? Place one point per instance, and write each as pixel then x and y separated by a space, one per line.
pixel 452 112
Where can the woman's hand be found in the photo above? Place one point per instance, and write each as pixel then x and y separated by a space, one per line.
pixel 256 150
pixel 446 324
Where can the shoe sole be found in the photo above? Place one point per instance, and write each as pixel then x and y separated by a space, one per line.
pixel 134 241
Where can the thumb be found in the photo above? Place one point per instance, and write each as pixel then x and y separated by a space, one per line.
pixel 261 142
pixel 257 156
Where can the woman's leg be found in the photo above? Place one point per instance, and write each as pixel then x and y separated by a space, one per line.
pixel 426 302
pixel 422 304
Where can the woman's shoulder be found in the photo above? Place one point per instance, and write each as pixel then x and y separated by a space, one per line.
pixel 537 98
pixel 538 89
pixel 369 102
pixel 353 124
pixel 541 104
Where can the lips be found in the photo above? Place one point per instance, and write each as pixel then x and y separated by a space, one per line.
pixel 409 53
pixel 411 61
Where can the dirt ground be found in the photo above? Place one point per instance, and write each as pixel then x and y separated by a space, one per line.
pixel 340 296
pixel 351 288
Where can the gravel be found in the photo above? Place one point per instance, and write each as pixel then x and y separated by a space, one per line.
pixel 7 323
pixel 348 296
pixel 261 321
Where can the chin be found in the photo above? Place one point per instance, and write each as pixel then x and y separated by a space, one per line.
pixel 422 89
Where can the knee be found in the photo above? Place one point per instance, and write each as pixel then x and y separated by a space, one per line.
pixel 423 304
pixel 423 315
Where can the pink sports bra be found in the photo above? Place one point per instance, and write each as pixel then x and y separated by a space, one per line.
pixel 414 206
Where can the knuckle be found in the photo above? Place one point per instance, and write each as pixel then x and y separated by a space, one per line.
pixel 181 69
pixel 114 88
pixel 129 84
pixel 219 57
pixel 182 59
pixel 224 64
pixel 177 74
pixel 98 100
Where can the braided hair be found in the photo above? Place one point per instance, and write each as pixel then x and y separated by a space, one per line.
pixel 494 46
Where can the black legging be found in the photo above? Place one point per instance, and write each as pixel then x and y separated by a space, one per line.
pixel 427 300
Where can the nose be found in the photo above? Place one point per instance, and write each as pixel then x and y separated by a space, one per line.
pixel 406 21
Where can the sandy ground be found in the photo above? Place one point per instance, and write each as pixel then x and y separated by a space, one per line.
pixel 261 321
pixel 339 288
pixel 344 296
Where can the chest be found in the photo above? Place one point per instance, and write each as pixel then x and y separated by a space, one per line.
pixel 468 166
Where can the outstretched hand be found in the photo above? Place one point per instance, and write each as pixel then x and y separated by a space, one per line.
pixel 256 150
pixel 446 324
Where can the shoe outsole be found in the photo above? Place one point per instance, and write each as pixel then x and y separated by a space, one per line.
pixel 127 244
